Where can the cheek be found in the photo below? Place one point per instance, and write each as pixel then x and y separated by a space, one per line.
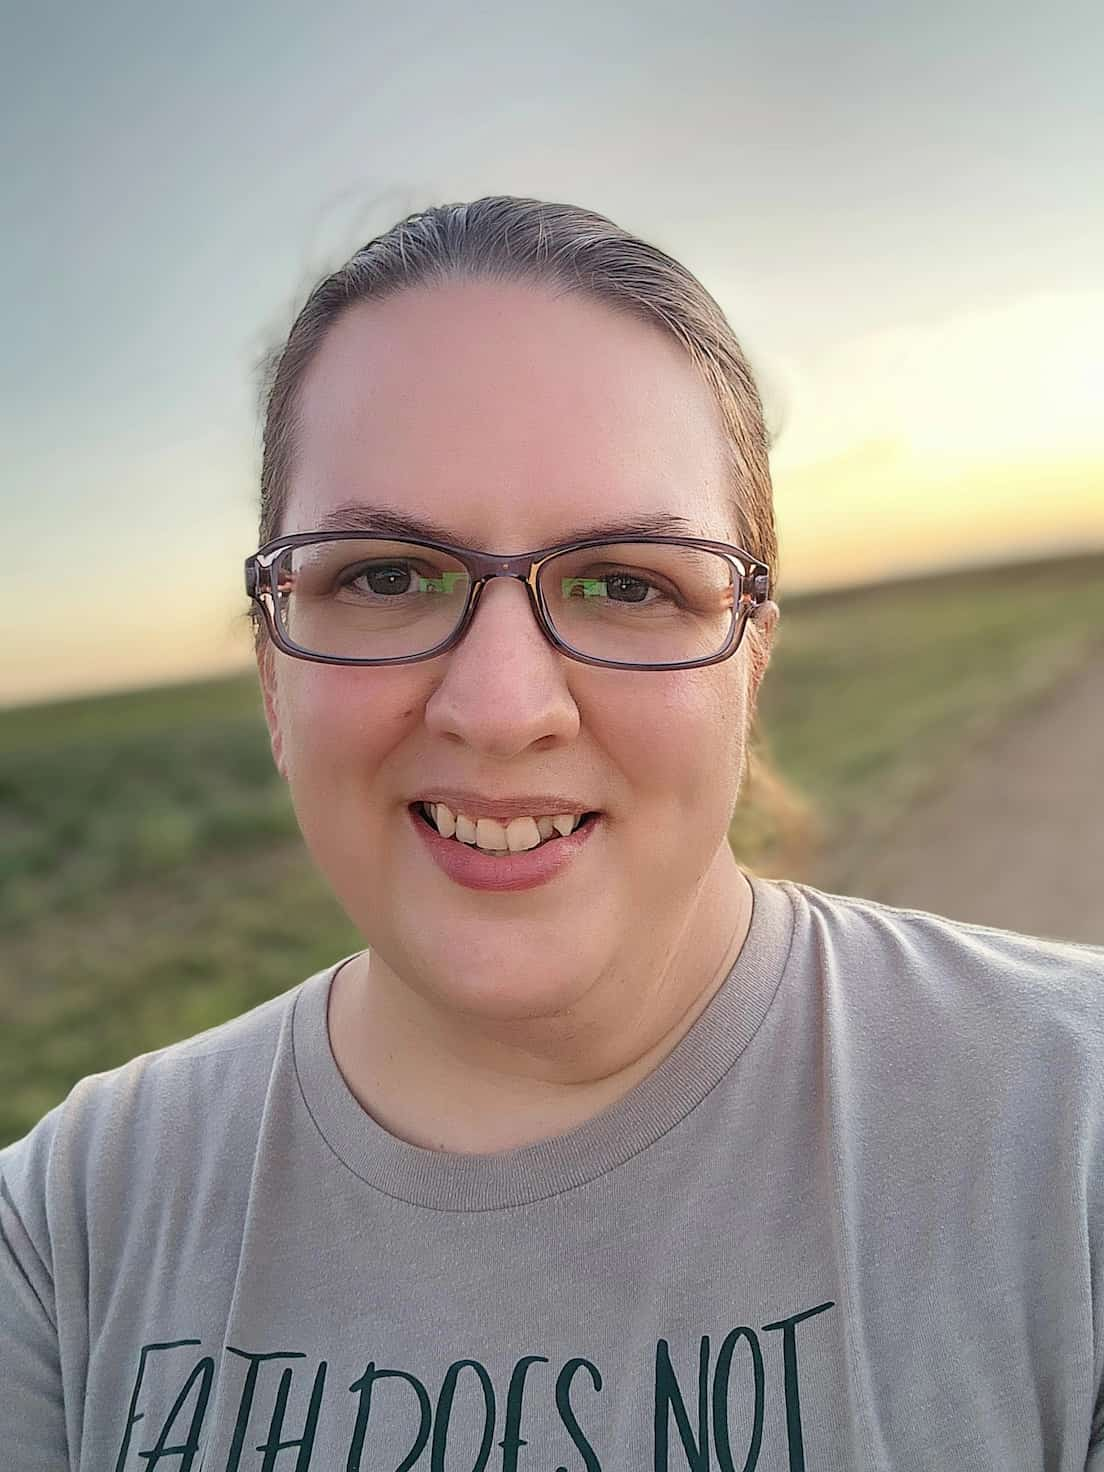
pixel 344 721
pixel 681 739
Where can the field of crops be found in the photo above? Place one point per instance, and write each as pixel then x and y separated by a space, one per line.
pixel 153 882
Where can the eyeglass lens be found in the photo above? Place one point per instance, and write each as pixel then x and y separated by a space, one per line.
pixel 628 602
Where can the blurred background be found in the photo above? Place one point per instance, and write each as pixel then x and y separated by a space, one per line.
pixel 900 209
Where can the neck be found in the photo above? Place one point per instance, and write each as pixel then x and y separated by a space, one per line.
pixel 407 1062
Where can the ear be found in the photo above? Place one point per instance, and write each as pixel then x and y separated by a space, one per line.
pixel 765 618
pixel 266 669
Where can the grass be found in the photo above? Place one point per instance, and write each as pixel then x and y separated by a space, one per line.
pixel 873 696
pixel 153 882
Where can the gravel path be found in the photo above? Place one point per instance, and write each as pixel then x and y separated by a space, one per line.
pixel 1016 839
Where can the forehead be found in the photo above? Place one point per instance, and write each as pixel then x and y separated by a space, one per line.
pixel 509 415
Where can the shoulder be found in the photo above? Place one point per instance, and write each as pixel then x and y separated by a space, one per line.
pixel 946 957
pixel 151 1114
pixel 988 1043
pixel 1003 1008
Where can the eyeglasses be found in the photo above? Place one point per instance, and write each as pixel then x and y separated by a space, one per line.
pixel 643 603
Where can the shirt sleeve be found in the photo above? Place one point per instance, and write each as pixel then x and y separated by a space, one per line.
pixel 32 1409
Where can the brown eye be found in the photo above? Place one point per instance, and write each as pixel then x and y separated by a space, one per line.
pixel 381 577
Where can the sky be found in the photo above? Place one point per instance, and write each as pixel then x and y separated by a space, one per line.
pixel 900 208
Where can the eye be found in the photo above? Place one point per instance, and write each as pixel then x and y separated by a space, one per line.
pixel 619 581
pixel 613 584
pixel 381 577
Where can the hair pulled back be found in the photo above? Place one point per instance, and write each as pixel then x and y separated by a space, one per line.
pixel 502 237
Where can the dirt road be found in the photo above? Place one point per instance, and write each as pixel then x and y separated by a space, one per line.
pixel 1016 838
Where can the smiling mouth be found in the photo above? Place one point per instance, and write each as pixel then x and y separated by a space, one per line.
pixel 420 812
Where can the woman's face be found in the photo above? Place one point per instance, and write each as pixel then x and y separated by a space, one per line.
pixel 513 418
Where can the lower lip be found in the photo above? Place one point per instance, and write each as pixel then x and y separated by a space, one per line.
pixel 474 870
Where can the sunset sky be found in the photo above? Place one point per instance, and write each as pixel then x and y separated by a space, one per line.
pixel 901 209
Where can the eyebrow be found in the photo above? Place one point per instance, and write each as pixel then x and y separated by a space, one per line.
pixel 387 521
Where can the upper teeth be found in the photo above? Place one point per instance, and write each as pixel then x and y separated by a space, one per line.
pixel 487 833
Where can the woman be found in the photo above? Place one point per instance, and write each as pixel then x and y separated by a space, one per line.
pixel 605 1152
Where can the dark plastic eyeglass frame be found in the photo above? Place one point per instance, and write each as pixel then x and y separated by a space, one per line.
pixel 753 582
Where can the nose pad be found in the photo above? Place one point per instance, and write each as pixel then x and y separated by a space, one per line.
pixel 522 638
pixel 523 590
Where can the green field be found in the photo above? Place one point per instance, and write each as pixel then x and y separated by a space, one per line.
pixel 153 882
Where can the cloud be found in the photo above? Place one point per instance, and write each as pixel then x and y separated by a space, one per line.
pixel 1025 378
pixel 878 510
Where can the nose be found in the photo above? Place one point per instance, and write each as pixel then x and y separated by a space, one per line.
pixel 504 686
pixel 504 623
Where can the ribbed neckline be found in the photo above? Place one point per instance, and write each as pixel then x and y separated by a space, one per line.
pixel 447 1181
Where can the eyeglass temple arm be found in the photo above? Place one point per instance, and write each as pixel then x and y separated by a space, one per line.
pixel 255 586
pixel 755 588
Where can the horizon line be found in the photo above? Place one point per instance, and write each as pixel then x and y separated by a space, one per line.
pixel 1073 553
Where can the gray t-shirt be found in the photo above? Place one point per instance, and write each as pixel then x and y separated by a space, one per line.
pixel 854 1220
